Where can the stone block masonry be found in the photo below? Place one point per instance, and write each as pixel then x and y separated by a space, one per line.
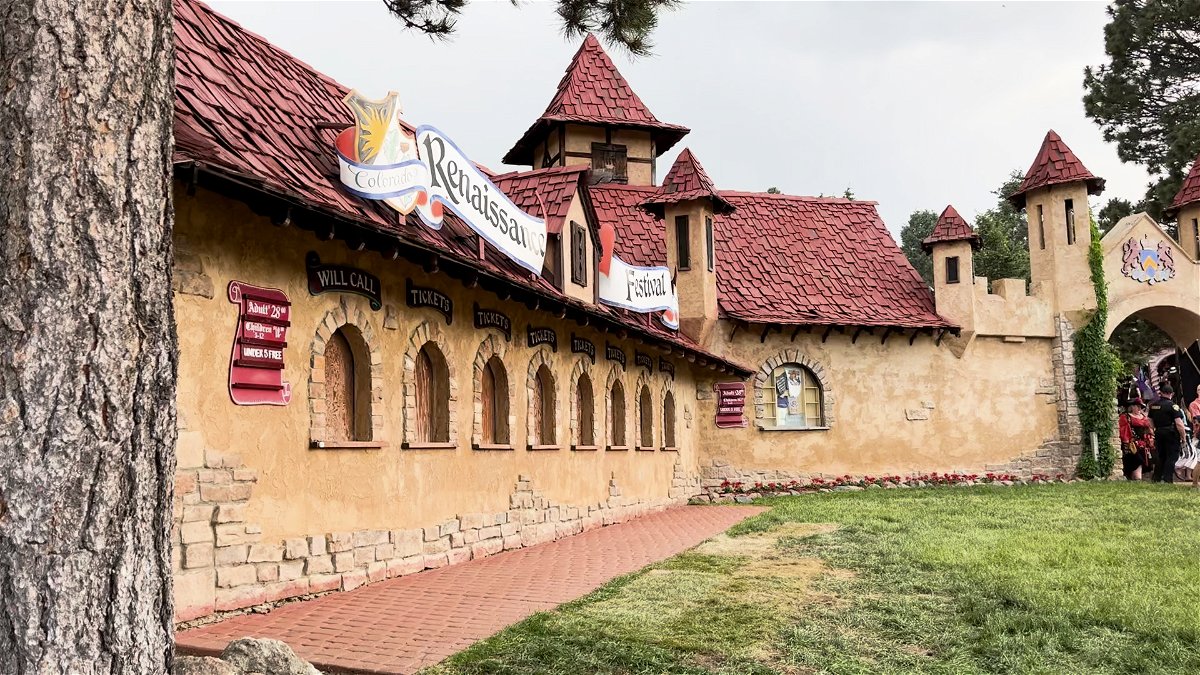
pixel 223 566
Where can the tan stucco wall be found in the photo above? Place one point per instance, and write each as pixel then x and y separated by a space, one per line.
pixel 896 407
pixel 637 144
pixel 302 491
pixel 1060 272
pixel 697 285
pixel 586 292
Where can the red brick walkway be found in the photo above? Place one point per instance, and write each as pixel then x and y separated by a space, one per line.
pixel 404 624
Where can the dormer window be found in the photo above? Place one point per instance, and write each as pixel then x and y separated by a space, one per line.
pixel 609 163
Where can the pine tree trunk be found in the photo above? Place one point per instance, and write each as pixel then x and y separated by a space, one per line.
pixel 87 336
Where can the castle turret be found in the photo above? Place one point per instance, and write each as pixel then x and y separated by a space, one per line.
pixel 1186 208
pixel 952 244
pixel 596 119
pixel 1054 195
pixel 686 203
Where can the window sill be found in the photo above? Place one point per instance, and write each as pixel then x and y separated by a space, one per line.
pixel 645 448
pixel 492 447
pixel 668 448
pixel 584 448
pixel 543 448
pixel 617 448
pixel 766 428
pixel 427 445
pixel 347 445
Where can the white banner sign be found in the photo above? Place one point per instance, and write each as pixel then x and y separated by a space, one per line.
pixel 428 172
pixel 639 289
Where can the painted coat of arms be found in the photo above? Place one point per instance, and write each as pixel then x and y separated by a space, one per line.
pixel 1148 265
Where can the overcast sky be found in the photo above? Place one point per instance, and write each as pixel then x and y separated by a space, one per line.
pixel 912 105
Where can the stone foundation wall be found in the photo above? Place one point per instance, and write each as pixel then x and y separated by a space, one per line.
pixel 222 564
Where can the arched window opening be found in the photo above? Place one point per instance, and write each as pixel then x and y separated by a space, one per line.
pixel 669 420
pixel 432 380
pixel 347 390
pixel 495 402
pixel 646 417
pixel 616 432
pixel 793 397
pixel 586 410
pixel 542 406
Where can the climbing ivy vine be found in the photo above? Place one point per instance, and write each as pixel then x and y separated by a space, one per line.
pixel 1096 367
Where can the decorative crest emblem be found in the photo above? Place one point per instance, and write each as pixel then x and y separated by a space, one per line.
pixel 1147 265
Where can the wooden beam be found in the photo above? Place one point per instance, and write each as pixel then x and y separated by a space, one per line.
pixel 736 325
pixel 766 330
pixel 796 332
pixel 859 331
pixel 912 339
pixel 886 333
pixel 826 335
pixel 941 334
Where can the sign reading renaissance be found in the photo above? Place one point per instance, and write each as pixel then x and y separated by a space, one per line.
pixel 638 289
pixel 256 364
pixel 427 172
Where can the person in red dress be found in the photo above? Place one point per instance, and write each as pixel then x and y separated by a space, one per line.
pixel 1137 440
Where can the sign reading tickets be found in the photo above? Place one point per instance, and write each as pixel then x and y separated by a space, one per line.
pixel 427 172
pixel 583 346
pixel 342 279
pixel 492 318
pixel 420 296
pixel 638 289
pixel 256 364
pixel 731 400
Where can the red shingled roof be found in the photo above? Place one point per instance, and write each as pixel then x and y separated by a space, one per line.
pixel 793 260
pixel 545 193
pixel 251 113
pixel 951 227
pixel 593 92
pixel 1054 164
pixel 686 180
pixel 1189 193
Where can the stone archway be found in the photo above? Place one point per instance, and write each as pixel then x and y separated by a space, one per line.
pixel 1150 276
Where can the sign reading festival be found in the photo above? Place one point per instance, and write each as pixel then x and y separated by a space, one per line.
pixel 425 171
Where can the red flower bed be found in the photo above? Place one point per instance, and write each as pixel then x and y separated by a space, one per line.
pixel 922 480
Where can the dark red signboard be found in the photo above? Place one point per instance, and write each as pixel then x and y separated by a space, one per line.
pixel 256 363
pixel 731 402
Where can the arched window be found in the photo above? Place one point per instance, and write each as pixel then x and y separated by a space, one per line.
pixel 669 420
pixel 347 389
pixel 494 400
pixel 792 398
pixel 432 382
pixel 646 418
pixel 541 406
pixel 616 421
pixel 586 408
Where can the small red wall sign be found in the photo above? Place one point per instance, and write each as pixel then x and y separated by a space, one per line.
pixel 256 362
pixel 731 401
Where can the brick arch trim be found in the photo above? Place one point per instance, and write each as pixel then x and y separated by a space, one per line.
pixel 793 356
pixel 540 357
pixel 491 346
pixel 349 312
pixel 426 333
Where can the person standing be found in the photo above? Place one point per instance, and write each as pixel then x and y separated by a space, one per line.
pixel 1137 440
pixel 1168 432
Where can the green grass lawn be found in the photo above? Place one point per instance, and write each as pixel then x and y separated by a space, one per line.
pixel 1079 578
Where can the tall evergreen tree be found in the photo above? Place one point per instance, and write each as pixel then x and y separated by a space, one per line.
pixel 1147 97
pixel 87 380
pixel 1004 253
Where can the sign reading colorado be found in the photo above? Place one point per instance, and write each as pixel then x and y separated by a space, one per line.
pixel 380 160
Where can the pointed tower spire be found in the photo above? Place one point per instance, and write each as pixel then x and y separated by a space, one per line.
pixel 593 92
pixel 685 181
pixel 1055 164
pixel 1189 192
pixel 951 227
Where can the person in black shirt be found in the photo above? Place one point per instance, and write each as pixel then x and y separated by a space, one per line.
pixel 1167 417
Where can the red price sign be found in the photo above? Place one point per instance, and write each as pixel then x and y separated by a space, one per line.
pixel 731 401
pixel 256 363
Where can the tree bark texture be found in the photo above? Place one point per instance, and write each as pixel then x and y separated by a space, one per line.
pixel 88 355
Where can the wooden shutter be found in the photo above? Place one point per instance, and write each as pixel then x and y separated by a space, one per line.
pixel 708 238
pixel 423 379
pixel 647 417
pixel 682 242
pixel 610 161
pixel 669 420
pixel 578 254
pixel 546 414
pixel 617 432
pixel 585 408
pixel 339 389
pixel 487 390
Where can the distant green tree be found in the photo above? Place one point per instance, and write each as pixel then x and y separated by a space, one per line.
pixel 1112 212
pixel 920 225
pixel 848 194
pixel 1004 253
pixel 1135 341
pixel 1146 99
pixel 774 191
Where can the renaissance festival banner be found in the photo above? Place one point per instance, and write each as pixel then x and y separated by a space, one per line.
pixel 638 289
pixel 427 172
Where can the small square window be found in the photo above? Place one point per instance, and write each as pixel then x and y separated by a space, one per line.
pixel 608 163
pixel 682 245
pixel 952 270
